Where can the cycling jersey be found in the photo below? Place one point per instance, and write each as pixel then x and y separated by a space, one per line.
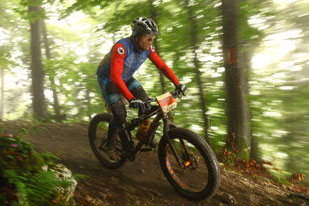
pixel 119 65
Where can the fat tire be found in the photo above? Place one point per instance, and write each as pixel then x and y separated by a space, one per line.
pixel 206 152
pixel 104 117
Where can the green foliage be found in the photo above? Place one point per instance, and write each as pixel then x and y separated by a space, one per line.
pixel 75 81
pixel 4 58
pixel 23 168
pixel 247 10
pixel 32 16
pixel 85 5
pixel 35 189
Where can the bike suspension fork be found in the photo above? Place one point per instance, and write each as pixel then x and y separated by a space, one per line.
pixel 171 146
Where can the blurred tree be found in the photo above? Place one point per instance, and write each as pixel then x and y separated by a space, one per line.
pixel 195 45
pixel 2 93
pixel 154 16
pixel 56 105
pixel 239 134
pixel 38 101
pixel 73 68
pixel 13 36
pixel 4 63
pixel 249 39
pixel 4 51
pixel 295 87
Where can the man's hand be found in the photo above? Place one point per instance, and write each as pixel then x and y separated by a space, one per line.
pixel 137 104
pixel 180 89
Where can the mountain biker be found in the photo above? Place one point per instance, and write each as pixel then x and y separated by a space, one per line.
pixel 115 74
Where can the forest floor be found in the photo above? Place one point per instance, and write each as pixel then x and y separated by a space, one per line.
pixel 141 182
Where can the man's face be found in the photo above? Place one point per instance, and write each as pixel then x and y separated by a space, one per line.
pixel 146 40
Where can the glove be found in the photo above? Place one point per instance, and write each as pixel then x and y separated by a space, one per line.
pixel 180 89
pixel 137 104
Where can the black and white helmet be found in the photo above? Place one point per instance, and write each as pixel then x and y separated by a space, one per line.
pixel 144 25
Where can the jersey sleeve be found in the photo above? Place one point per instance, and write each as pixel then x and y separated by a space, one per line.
pixel 117 61
pixel 156 60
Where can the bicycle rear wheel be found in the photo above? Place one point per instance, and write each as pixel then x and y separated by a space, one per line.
pixel 97 134
pixel 189 164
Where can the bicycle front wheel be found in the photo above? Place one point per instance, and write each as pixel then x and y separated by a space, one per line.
pixel 189 164
pixel 97 133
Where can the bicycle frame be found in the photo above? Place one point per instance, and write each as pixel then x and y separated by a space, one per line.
pixel 125 133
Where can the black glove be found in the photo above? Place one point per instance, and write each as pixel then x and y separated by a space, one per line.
pixel 137 104
pixel 180 89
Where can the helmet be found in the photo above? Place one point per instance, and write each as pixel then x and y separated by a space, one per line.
pixel 144 25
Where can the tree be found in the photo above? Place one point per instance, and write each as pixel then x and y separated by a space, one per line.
pixel 154 16
pixel 4 62
pixel 38 101
pixel 238 129
pixel 56 105
pixel 2 93
pixel 194 45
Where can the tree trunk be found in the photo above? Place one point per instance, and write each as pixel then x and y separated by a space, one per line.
pixel 2 94
pixel 51 78
pixel 194 45
pixel 38 101
pixel 245 57
pixel 154 17
pixel 238 125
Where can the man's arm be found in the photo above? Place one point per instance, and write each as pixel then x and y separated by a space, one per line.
pixel 117 61
pixel 156 60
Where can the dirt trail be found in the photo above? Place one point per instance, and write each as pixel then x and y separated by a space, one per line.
pixel 140 182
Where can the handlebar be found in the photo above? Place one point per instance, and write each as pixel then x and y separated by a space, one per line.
pixel 151 108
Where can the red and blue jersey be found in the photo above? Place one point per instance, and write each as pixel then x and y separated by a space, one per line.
pixel 119 65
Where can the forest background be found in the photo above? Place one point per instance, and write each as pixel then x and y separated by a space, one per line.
pixel 245 64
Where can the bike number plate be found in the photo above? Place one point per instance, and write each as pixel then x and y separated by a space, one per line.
pixel 167 102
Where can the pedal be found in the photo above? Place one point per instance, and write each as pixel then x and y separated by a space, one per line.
pixel 146 149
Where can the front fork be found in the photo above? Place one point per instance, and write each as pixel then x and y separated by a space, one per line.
pixel 168 124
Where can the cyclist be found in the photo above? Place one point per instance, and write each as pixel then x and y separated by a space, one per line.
pixel 115 74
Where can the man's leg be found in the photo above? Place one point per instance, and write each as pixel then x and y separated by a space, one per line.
pixel 113 101
pixel 119 116
pixel 137 90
